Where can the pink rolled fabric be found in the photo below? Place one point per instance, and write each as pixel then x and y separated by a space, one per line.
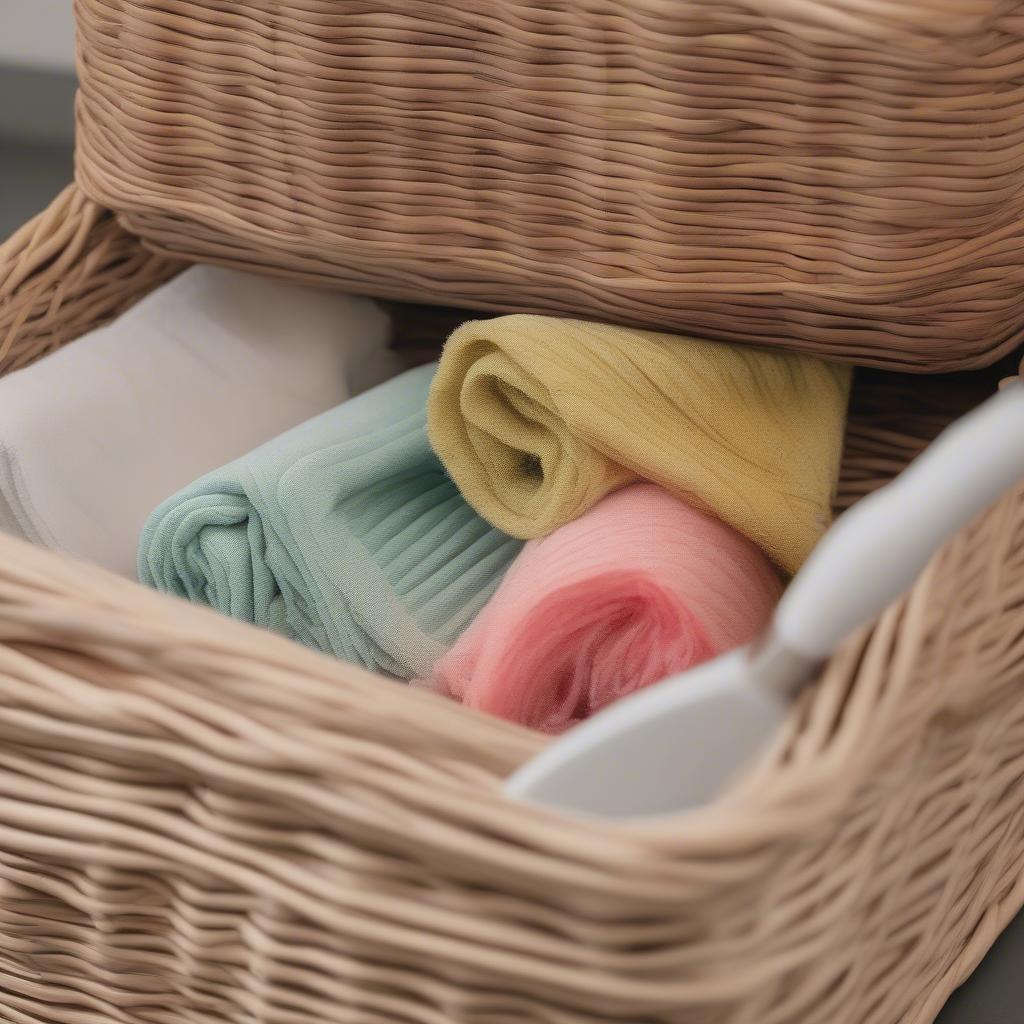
pixel 642 586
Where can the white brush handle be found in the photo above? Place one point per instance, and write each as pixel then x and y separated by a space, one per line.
pixel 875 551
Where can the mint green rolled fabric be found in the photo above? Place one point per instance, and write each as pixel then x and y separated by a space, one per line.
pixel 345 534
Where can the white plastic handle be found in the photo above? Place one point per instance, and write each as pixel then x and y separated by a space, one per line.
pixel 875 550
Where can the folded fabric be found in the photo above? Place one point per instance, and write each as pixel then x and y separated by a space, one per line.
pixel 538 418
pixel 345 534
pixel 641 586
pixel 199 372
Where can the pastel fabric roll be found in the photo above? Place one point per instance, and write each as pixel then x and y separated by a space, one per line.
pixel 199 372
pixel 538 418
pixel 345 534
pixel 642 586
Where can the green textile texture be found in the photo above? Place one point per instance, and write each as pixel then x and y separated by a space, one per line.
pixel 345 534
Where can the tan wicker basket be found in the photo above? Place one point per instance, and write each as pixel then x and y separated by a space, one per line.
pixel 841 176
pixel 201 822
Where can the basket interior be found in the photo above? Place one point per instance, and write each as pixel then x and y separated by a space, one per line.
pixel 211 817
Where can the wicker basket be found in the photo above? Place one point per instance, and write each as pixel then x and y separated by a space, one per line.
pixel 841 176
pixel 202 822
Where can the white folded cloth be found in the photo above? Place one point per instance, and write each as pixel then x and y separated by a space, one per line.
pixel 203 370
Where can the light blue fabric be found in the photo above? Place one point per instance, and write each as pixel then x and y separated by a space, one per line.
pixel 345 534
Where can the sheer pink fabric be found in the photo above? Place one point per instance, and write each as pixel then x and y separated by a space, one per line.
pixel 641 586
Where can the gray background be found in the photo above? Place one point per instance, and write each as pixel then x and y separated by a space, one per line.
pixel 36 129
pixel 36 162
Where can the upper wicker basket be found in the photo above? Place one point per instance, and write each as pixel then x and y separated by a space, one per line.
pixel 842 176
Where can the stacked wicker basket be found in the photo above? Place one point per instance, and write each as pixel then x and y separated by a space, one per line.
pixel 203 822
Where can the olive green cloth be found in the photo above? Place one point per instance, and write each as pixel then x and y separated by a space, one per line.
pixel 537 418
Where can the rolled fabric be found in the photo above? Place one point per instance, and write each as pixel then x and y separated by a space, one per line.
pixel 641 586
pixel 345 534
pixel 199 372
pixel 537 418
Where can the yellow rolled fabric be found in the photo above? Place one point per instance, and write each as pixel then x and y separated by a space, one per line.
pixel 537 418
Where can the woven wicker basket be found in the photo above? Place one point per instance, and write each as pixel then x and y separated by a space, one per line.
pixel 841 176
pixel 202 822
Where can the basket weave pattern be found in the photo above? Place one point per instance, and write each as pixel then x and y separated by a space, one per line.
pixel 200 821
pixel 842 177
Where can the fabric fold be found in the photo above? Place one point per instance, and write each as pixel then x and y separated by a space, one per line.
pixel 345 534
pixel 537 418
pixel 197 373
pixel 642 586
